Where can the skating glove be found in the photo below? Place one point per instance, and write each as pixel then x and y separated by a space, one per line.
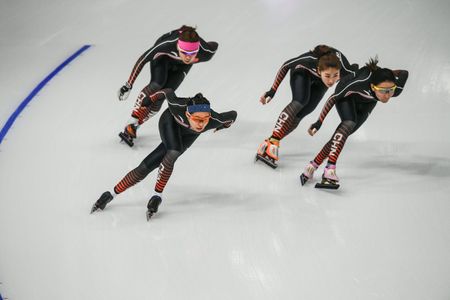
pixel 267 97
pixel 314 127
pixel 354 67
pixel 396 72
pixel 124 91
pixel 224 126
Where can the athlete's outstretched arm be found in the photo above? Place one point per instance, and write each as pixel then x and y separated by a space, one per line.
pixel 125 90
pixel 140 63
pixel 148 56
pixel 267 96
pixel 222 120
pixel 325 110
pixel 209 49
pixel 401 76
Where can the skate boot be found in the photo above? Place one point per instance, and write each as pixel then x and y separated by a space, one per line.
pixel 152 206
pixel 329 178
pixel 100 204
pixel 308 173
pixel 128 134
pixel 268 152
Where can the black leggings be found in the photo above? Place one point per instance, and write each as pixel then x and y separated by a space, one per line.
pixel 175 141
pixel 306 95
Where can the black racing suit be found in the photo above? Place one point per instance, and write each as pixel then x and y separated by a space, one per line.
pixel 167 71
pixel 176 138
pixel 354 100
pixel 307 89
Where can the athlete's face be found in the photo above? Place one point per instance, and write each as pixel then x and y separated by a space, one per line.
pixel 187 57
pixel 329 76
pixel 198 120
pixel 384 91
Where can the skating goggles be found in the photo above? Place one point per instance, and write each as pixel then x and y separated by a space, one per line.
pixel 199 119
pixel 189 53
pixel 383 90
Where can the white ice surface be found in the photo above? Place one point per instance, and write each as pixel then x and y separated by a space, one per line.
pixel 227 228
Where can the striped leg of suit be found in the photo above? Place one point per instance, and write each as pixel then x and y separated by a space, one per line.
pixel 287 120
pixel 333 148
pixel 147 104
pixel 165 169
pixel 135 176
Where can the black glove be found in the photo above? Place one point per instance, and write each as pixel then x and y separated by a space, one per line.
pixel 270 93
pixel 354 67
pixel 396 72
pixel 224 126
pixel 314 127
pixel 124 91
pixel 267 96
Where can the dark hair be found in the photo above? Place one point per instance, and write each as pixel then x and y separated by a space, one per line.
pixel 379 75
pixel 372 64
pixel 327 58
pixel 320 50
pixel 188 34
pixel 197 99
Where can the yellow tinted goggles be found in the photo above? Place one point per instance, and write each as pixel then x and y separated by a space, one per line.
pixel 385 90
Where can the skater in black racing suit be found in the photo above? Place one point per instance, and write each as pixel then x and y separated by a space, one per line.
pixel 170 58
pixel 312 74
pixel 355 97
pixel 179 126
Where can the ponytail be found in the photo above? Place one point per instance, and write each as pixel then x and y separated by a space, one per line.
pixel 372 64
pixel 379 75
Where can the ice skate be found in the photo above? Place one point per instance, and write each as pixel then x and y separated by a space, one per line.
pixel 308 173
pixel 152 206
pixel 100 204
pixel 128 134
pixel 268 152
pixel 329 179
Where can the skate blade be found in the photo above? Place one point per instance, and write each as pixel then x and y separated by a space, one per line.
pixel 327 185
pixel 94 209
pixel 149 215
pixel 126 139
pixel 267 161
pixel 303 178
